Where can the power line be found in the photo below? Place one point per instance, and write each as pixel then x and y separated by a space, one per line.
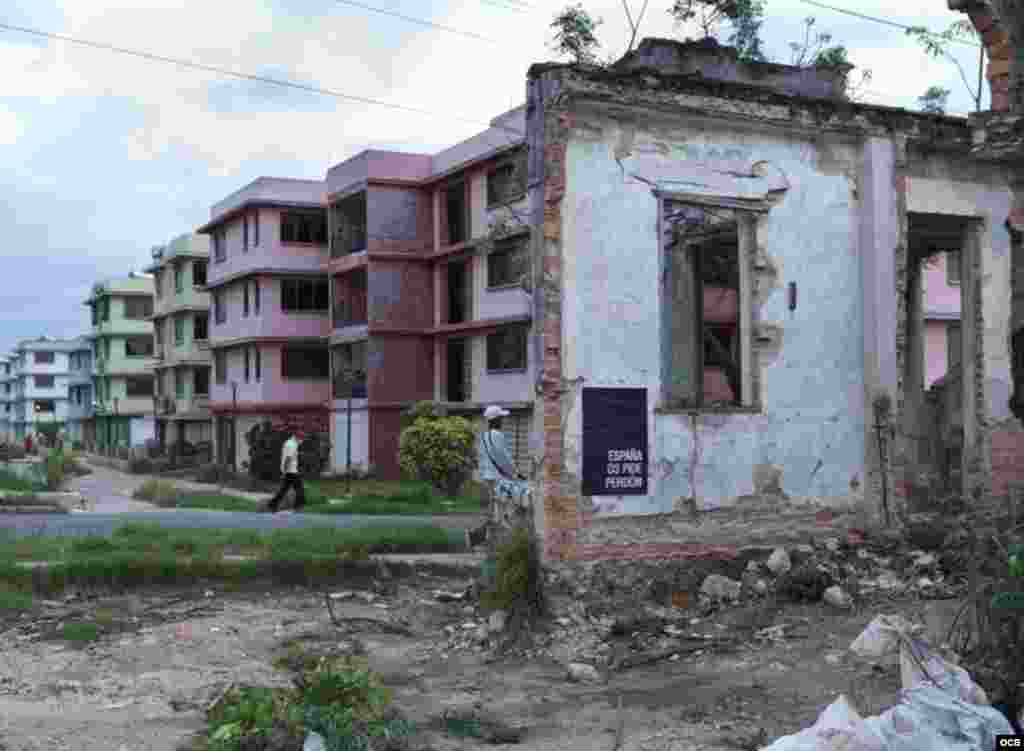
pixel 884 21
pixel 250 76
pixel 419 21
pixel 506 5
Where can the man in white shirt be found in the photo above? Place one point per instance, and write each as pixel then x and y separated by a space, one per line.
pixel 508 490
pixel 290 473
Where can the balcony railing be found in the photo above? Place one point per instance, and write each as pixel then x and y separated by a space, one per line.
pixel 203 344
pixel 347 240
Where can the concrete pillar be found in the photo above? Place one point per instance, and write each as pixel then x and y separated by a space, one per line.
pixel 880 236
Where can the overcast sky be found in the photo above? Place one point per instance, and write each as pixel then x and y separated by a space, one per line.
pixel 103 155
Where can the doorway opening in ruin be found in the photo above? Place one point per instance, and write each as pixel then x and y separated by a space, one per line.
pixel 935 427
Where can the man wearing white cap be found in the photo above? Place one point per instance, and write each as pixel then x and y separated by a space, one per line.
pixel 509 491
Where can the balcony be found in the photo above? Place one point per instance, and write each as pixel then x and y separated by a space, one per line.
pixel 358 388
pixel 347 240
pixel 350 312
pixel 202 344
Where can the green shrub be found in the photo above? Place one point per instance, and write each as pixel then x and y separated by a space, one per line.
pixel 265 443
pixel 11 481
pixel 160 492
pixel 56 469
pixel 518 576
pixel 76 446
pixel 440 451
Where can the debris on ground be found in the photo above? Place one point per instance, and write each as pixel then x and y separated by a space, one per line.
pixel 940 708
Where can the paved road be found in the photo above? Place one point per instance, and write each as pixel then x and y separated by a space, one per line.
pixel 108 493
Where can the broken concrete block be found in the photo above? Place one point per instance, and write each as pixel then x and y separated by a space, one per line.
pixel 925 560
pixel 832 544
pixel 753 566
pixel 778 562
pixel 837 597
pixel 496 621
pixel 761 587
pixel 719 587
pixel 582 673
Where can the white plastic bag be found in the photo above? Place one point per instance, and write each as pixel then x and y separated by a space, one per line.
pixel 879 642
pixel 839 728
pixel 921 666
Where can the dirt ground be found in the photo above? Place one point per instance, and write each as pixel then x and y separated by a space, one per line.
pixel 161 658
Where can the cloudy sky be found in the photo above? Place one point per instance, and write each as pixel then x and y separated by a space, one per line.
pixel 104 155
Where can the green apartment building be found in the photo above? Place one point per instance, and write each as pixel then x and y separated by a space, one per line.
pixel 123 348
pixel 182 348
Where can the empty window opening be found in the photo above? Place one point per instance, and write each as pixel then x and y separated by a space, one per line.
pixel 202 381
pixel 306 228
pixel 201 328
pixel 705 367
pixel 456 205
pixel 506 349
pixel 305 363
pixel 460 366
pixel 350 371
pixel 350 299
pixel 506 264
pixel 348 225
pixel 304 296
pixel 460 291
pixel 506 183
pixel 199 273
pixel 138 308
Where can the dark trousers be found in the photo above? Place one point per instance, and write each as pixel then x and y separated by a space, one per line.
pixel 289 481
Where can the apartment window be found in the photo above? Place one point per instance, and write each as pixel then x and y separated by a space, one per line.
pixel 138 308
pixel 304 227
pixel 44 381
pixel 179 280
pixel 245 364
pixel 220 252
pixel 953 268
pixel 137 386
pixel 506 183
pixel 245 299
pixel 202 381
pixel 506 264
pixel 954 344
pixel 256 296
pixel 106 348
pixel 199 273
pixel 220 364
pixel 138 346
pixel 179 385
pixel 105 308
pixel 256 228
pixel 94 308
pixel 257 365
pixel 220 315
pixel 200 328
pixel 245 233
pixel 44 358
pixel 45 405
pixel 158 278
pixel 704 366
pixel 179 331
pixel 305 363
pixel 304 296
pixel 506 349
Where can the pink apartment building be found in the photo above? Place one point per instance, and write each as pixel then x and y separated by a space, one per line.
pixel 941 316
pixel 270 313
pixel 422 302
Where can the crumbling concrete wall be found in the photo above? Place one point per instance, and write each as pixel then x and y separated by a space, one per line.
pixel 803 434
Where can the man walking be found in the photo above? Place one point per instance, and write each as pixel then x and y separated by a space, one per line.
pixel 290 473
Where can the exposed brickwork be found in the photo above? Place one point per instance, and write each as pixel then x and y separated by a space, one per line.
pixel 898 471
pixel 1007 459
pixel 998 46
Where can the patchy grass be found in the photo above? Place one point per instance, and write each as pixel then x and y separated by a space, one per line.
pixel 13 482
pixel 148 554
pixel 160 492
pixel 79 633
pixel 218 502
pixel 381 497
pixel 13 600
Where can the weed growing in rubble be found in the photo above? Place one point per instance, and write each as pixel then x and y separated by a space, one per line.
pixel 517 584
pixel 13 600
pixel 80 633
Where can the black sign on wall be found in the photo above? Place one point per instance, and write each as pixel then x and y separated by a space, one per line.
pixel 614 441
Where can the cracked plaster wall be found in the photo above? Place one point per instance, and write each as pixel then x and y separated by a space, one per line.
pixel 811 426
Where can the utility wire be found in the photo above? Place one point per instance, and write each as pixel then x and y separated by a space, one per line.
pixel 506 5
pixel 876 19
pixel 420 21
pixel 252 77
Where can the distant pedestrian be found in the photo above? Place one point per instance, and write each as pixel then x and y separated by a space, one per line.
pixel 290 473
pixel 507 490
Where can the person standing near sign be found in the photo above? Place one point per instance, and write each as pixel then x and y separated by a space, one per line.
pixel 508 490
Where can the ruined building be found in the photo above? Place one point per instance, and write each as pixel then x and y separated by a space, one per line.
pixel 728 265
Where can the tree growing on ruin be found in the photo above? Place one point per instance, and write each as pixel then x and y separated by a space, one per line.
pixel 933 100
pixel 937 46
pixel 576 34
